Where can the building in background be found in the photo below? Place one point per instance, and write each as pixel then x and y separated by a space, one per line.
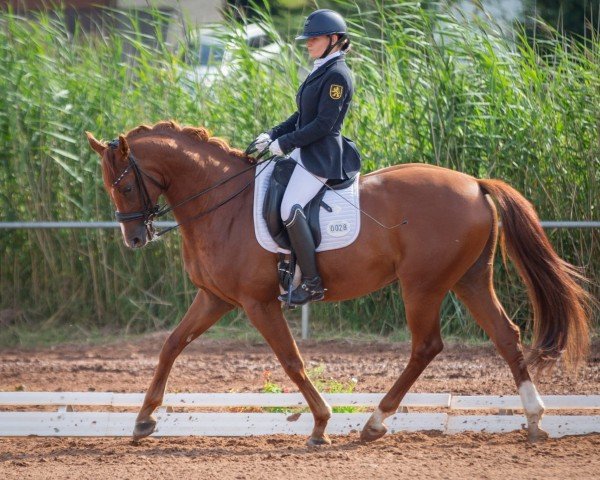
pixel 94 14
pixel 192 13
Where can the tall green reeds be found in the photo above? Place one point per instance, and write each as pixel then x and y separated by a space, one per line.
pixel 430 87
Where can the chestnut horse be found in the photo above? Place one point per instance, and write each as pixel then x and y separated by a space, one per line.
pixel 446 242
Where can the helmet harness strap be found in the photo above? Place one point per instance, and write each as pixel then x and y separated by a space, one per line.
pixel 332 45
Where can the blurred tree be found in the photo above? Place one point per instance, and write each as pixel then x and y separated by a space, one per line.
pixel 575 17
pixel 248 7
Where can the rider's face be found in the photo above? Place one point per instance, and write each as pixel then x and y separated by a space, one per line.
pixel 317 45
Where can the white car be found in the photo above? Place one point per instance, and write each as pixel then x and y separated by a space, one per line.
pixel 210 51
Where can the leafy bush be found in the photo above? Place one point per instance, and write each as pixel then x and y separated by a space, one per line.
pixel 429 88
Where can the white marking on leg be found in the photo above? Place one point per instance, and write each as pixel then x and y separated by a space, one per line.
pixel 378 416
pixel 531 400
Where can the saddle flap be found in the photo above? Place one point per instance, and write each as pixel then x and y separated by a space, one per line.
pixel 278 182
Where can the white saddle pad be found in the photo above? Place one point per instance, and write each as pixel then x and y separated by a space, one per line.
pixel 339 228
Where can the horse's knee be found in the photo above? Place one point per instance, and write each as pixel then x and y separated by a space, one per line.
pixel 428 350
pixel 294 367
pixel 170 349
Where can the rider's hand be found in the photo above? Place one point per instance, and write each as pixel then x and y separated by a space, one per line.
pixel 275 149
pixel 262 142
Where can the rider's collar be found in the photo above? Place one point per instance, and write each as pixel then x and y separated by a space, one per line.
pixel 321 61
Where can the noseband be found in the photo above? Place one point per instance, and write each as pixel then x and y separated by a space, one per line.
pixel 150 210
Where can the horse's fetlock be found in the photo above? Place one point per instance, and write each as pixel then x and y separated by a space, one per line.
pixel 536 414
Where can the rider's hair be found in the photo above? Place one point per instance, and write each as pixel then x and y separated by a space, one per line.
pixel 346 44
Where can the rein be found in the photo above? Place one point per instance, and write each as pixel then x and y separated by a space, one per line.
pixel 328 187
pixel 150 212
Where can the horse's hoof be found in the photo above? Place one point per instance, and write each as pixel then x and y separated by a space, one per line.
pixel 538 435
pixel 143 429
pixel 370 434
pixel 318 441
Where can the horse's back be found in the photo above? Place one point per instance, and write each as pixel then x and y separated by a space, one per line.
pixel 443 216
pixel 423 185
pixel 402 166
pixel 422 171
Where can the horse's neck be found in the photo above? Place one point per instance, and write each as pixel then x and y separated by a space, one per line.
pixel 191 171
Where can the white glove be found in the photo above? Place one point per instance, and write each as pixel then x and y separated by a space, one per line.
pixel 262 142
pixel 275 149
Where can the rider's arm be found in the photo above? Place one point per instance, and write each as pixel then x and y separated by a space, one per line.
pixel 284 127
pixel 330 106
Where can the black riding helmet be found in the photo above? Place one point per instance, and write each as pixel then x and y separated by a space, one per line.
pixel 325 22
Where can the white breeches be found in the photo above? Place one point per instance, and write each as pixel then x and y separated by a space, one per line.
pixel 302 188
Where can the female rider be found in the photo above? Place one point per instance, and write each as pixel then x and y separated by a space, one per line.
pixel 313 136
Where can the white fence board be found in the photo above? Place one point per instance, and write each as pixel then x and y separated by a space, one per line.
pixel 513 402
pixel 98 424
pixel 201 400
pixel 198 400
pixel 71 398
pixel 555 425
pixel 68 423
pixel 93 424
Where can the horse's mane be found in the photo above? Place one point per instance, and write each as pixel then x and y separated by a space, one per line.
pixel 197 133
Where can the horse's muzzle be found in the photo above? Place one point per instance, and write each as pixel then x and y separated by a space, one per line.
pixel 137 236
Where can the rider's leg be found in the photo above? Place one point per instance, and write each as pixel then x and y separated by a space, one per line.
pixel 311 287
pixel 301 189
pixel 303 186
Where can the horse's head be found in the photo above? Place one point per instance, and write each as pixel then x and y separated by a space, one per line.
pixel 133 191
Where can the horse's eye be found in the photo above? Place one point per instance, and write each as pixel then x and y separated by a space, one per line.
pixel 127 189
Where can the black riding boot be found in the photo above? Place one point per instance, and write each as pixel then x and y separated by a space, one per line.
pixel 310 288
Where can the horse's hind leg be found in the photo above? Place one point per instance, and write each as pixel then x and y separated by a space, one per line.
pixel 476 290
pixel 422 316
pixel 204 311
pixel 270 322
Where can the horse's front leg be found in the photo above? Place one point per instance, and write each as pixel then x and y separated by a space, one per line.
pixel 205 310
pixel 269 320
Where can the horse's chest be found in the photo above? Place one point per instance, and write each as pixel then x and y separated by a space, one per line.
pixel 204 268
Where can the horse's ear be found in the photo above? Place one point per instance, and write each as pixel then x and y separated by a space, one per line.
pixel 98 146
pixel 123 146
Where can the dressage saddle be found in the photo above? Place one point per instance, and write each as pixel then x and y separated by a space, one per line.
pixel 277 184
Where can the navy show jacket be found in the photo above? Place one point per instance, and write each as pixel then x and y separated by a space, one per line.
pixel 322 103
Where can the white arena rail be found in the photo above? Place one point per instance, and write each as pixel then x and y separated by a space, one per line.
pixel 67 422
pixel 207 400
pixel 513 402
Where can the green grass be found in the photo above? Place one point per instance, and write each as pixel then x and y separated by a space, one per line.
pixel 429 88
pixel 321 382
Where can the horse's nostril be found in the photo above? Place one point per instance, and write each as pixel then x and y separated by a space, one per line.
pixel 136 241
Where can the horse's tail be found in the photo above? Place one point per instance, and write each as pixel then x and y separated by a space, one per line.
pixel 561 307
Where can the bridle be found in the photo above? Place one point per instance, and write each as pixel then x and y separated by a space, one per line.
pixel 151 211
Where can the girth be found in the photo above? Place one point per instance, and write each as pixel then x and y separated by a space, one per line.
pixel 271 207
